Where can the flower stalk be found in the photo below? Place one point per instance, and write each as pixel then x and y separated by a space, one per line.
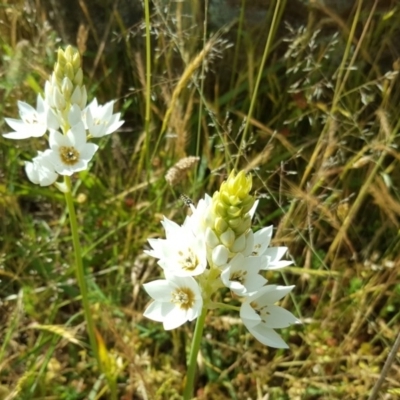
pixel 194 351
pixel 79 269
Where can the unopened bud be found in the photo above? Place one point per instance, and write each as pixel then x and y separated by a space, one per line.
pixel 83 97
pixel 76 61
pixel 58 99
pixel 76 96
pixel 69 53
pixel 69 71
pixel 220 225
pixel 227 238
pixel 66 88
pixel 78 79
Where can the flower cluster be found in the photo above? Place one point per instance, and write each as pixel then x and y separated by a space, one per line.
pixel 215 248
pixel 64 113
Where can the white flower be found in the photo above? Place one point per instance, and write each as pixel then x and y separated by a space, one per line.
pixel 201 218
pixel 261 240
pixel 70 153
pixel 261 316
pixel 40 171
pixel 181 253
pixel 33 122
pixel 275 254
pixel 241 275
pixel 100 120
pixel 176 300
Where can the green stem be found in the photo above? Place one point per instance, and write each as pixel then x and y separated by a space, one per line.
pixel 254 96
pixel 198 333
pixel 80 274
pixel 145 153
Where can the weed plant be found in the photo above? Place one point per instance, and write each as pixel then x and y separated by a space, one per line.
pixel 309 108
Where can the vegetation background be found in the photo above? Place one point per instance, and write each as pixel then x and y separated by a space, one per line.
pixel 303 97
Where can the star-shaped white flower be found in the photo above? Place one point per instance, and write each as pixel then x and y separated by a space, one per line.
pixel 176 300
pixel 261 316
pixel 41 171
pixel 70 153
pixel 100 120
pixel 181 253
pixel 201 218
pixel 33 122
pixel 261 240
pixel 241 275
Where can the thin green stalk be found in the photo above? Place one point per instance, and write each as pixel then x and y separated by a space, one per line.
pixel 112 385
pixel 198 334
pixel 80 274
pixel 254 96
pixel 203 67
pixel 237 51
pixel 145 152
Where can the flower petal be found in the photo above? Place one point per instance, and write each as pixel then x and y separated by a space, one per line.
pixel 268 337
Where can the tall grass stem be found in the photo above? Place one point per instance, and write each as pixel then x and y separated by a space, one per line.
pixel 145 156
pixel 254 96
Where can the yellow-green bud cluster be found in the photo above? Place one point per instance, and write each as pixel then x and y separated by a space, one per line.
pixel 231 206
pixel 65 86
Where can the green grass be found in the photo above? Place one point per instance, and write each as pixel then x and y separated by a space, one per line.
pixel 321 143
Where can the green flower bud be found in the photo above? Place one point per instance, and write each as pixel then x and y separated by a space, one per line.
pixel 219 209
pixel 78 79
pixel 247 204
pixel 58 73
pixel 67 88
pixel 76 61
pixel 244 225
pixel 227 238
pixel 69 53
pixel 220 226
pixel 230 211
pixel 61 57
pixel 239 185
pixel 69 71
pixel 234 211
